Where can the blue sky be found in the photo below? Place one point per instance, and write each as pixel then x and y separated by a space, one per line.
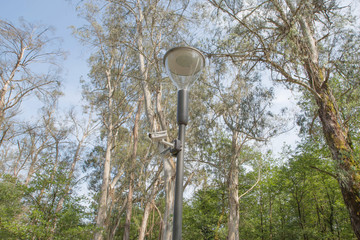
pixel 59 14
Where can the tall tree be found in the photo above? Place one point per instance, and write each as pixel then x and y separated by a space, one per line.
pixel 21 48
pixel 110 92
pixel 302 43
pixel 150 22
pixel 135 140
pixel 48 178
pixel 243 109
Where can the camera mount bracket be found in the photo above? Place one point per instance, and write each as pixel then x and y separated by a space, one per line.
pixel 174 148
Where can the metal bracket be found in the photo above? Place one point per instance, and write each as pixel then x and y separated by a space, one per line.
pixel 174 149
pixel 177 147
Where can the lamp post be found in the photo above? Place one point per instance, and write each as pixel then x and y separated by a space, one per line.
pixel 184 66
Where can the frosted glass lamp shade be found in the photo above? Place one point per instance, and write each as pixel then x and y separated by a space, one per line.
pixel 184 66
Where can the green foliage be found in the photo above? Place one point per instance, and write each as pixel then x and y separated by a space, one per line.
pixel 298 200
pixel 24 216
pixel 10 205
pixel 74 221
pixel 205 216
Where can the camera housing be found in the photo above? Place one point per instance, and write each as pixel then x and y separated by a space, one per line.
pixel 166 147
pixel 158 136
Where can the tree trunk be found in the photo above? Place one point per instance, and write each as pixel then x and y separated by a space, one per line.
pixel 340 146
pixel 270 217
pixel 334 130
pixel 117 222
pixel 145 220
pixel 30 172
pixel 3 92
pixel 147 210
pixel 126 235
pixel 169 174
pixel 169 169
pixel 339 143
pixel 6 84
pixel 132 164
pixel 234 215
pixel 261 213
pixel 301 216
pixel 102 210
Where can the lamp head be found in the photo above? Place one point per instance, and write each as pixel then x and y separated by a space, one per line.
pixel 184 66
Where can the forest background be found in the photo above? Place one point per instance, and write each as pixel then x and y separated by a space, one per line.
pixel 76 162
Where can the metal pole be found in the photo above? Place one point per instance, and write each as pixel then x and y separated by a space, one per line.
pixel 182 119
pixel 177 225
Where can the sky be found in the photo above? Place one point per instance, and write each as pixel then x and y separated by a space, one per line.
pixel 59 14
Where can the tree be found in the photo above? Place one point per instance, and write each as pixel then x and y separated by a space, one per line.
pixel 82 133
pixel 246 113
pixel 109 93
pixel 242 106
pixel 44 197
pixel 131 173
pixel 146 24
pixel 205 214
pixel 10 203
pixel 302 46
pixel 21 49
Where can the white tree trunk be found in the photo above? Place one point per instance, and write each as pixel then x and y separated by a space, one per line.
pixel 234 216
pixel 150 113
pixel 102 210
pixel 132 164
pixel 144 221
pixel 147 210
pixel 126 235
pixel 169 199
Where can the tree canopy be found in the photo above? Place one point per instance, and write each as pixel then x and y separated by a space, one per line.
pixel 97 175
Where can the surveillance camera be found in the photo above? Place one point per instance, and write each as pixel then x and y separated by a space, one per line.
pixel 158 136
pixel 164 146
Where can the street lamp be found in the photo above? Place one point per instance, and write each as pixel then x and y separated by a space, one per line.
pixel 184 66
